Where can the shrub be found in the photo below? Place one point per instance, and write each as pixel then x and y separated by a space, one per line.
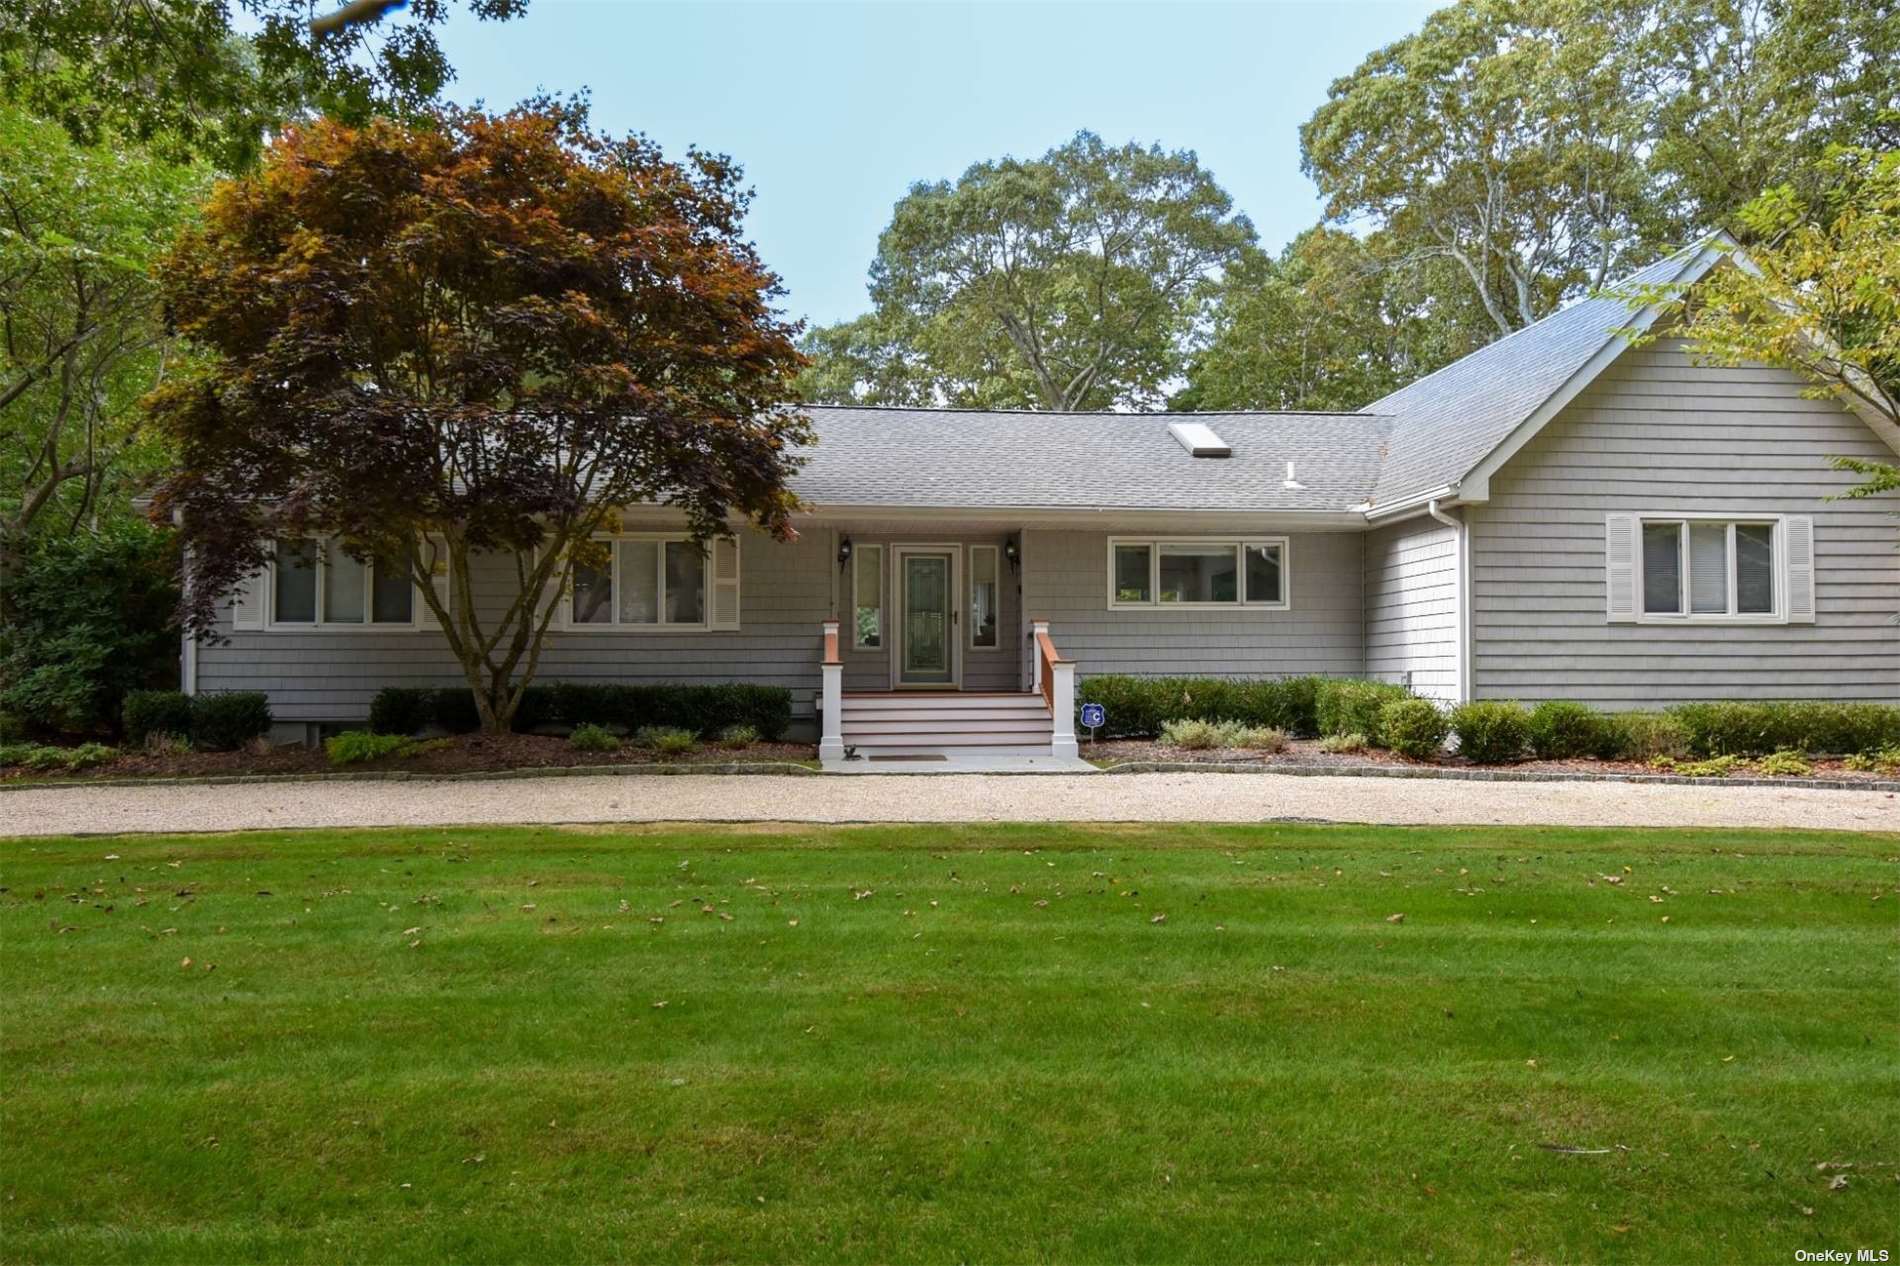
pixel 1338 743
pixel 1259 738
pixel 1804 725
pixel 353 747
pixel 12 729
pixel 1491 732
pixel 1139 706
pixel 1196 735
pixel 737 737
pixel 1785 764
pixel 161 743
pixel 402 710
pixel 89 754
pixel 1714 767
pixel 16 753
pixel 1562 729
pixel 668 740
pixel 1413 727
pixel 588 737
pixel 47 757
pixel 225 722
pixel 149 712
pixel 1352 707
pixel 90 617
pixel 1641 736
pixel 1885 761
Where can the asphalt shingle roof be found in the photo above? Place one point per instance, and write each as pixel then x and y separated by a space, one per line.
pixel 955 458
pixel 1447 422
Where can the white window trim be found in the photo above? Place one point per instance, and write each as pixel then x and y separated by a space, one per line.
pixel 883 604
pixel 704 625
pixel 1779 570
pixel 996 578
pixel 1238 543
pixel 417 603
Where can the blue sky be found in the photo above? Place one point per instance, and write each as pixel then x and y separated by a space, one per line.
pixel 834 109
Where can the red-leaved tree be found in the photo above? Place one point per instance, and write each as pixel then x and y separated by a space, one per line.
pixel 485 335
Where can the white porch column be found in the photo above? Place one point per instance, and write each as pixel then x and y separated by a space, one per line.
pixel 1063 740
pixel 831 699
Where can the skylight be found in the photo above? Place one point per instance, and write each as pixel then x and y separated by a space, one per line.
pixel 1199 439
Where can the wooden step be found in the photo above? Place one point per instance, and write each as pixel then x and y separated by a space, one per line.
pixel 925 729
pixel 926 699
pixel 927 712
pixel 912 742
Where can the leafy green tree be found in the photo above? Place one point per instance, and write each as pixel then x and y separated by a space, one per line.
pixel 1819 293
pixel 79 318
pixel 1329 324
pixel 212 77
pixel 1068 281
pixel 477 336
pixel 93 616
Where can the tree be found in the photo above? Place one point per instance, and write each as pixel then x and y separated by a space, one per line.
pixel 1818 294
pixel 1329 324
pixel 1066 282
pixel 212 77
pixel 79 318
pixel 866 361
pixel 1500 137
pixel 483 335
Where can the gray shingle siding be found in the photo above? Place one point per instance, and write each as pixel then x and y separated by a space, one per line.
pixel 1065 581
pixel 1657 433
pixel 1411 582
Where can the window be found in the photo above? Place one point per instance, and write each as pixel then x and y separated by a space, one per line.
pixel 641 582
pixel 984 593
pixel 1707 568
pixel 867 597
pixel 1197 573
pixel 318 584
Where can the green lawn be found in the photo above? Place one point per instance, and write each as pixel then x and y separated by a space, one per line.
pixel 950 1044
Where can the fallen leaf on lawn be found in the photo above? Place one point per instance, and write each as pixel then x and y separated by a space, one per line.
pixel 658 1005
pixel 184 962
pixel 1837 1183
pixel 1395 918
pixel 529 906
pixel 410 931
pixel 1159 918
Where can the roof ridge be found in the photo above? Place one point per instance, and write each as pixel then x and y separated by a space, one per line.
pixel 1106 413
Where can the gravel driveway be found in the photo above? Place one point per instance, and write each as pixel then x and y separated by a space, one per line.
pixel 1188 797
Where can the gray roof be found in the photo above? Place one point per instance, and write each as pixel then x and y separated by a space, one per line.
pixel 957 458
pixel 1417 440
pixel 1447 422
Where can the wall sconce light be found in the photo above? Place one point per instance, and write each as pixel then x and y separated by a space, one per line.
pixel 844 553
pixel 1013 552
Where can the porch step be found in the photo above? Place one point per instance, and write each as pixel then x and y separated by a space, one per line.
pixel 921 721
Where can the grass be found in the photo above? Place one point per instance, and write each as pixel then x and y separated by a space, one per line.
pixel 942 1044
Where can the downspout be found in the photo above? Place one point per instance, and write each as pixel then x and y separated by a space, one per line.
pixel 188 644
pixel 1462 590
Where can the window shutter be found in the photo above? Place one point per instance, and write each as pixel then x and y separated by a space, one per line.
pixel 1798 539
pixel 725 584
pixel 555 593
pixel 438 556
pixel 1620 567
pixel 247 603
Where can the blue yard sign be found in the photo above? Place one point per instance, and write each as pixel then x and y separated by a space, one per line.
pixel 1094 716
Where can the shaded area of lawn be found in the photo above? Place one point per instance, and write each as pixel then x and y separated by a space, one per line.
pixel 964 1043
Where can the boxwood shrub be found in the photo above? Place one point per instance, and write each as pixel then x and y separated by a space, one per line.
pixel 148 712
pixel 1412 727
pixel 1563 729
pixel 1354 707
pixel 1491 732
pixel 224 722
pixel 1139 706
pixel 703 709
pixel 1754 729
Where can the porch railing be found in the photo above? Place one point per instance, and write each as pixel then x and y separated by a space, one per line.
pixel 1055 678
pixel 831 699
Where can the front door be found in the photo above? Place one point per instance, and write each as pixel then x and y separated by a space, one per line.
pixel 927 640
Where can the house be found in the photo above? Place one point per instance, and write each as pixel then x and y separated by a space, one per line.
pixel 1558 515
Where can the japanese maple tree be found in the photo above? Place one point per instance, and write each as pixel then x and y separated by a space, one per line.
pixel 479 334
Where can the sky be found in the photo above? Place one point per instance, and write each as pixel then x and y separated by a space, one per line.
pixel 836 109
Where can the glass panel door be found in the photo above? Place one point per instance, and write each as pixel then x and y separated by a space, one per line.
pixel 925 653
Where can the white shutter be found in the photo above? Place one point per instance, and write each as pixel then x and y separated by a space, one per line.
pixel 436 554
pixel 1797 532
pixel 247 602
pixel 1620 567
pixel 725 585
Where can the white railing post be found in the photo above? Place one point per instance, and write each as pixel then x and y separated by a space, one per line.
pixel 831 699
pixel 1063 706
pixel 1038 630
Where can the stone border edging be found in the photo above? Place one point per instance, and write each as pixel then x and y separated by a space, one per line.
pixel 772 768
pixel 1490 775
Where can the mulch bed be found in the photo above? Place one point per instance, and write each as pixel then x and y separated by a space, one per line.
pixel 461 754
pixel 1306 752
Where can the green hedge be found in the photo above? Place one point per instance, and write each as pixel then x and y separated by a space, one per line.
pixel 1139 706
pixel 148 712
pixel 213 722
pixel 1491 732
pixel 1755 729
pixel 705 710
pixel 1413 727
